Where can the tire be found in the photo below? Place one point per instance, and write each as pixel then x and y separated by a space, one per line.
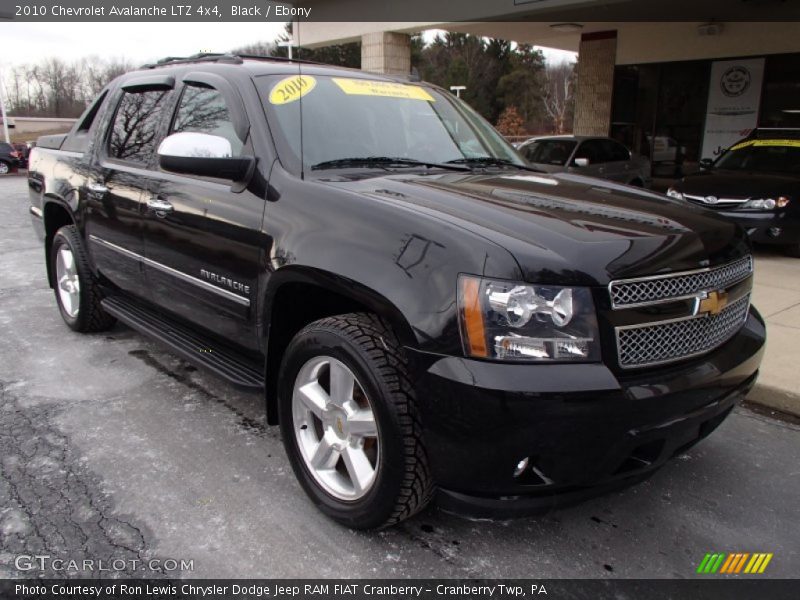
pixel 78 294
pixel 364 345
pixel 792 250
pixel 5 168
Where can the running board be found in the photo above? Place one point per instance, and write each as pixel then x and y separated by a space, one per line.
pixel 195 348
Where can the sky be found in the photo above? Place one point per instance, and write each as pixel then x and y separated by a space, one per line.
pixel 140 43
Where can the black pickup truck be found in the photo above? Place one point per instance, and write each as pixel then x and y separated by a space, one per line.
pixel 422 311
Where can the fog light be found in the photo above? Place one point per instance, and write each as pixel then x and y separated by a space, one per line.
pixel 775 231
pixel 521 467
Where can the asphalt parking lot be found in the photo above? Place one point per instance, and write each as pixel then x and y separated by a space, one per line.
pixel 111 448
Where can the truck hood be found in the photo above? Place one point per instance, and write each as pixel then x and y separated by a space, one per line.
pixel 567 228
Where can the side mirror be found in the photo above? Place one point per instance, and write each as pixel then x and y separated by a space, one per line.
pixel 581 162
pixel 706 163
pixel 204 155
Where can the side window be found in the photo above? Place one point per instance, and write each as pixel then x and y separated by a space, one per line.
pixel 91 114
pixel 133 135
pixel 617 151
pixel 593 150
pixel 203 110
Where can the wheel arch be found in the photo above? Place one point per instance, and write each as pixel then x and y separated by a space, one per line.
pixel 297 296
pixel 55 215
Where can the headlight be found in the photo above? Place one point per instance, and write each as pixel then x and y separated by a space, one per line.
pixel 766 203
pixel 673 193
pixel 518 321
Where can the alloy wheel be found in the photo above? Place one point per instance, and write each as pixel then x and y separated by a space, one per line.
pixel 69 285
pixel 334 426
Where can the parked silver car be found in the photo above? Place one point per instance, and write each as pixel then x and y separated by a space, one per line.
pixel 594 156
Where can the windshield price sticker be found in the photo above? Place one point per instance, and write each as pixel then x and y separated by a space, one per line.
pixel 791 143
pixel 291 89
pixel 387 89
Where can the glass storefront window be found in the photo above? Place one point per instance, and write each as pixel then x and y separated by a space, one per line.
pixel 659 111
pixel 780 100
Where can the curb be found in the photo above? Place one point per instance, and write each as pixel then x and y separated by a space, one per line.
pixel 774 397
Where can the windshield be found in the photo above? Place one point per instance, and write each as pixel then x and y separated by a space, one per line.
pixel 776 156
pixel 347 118
pixel 549 152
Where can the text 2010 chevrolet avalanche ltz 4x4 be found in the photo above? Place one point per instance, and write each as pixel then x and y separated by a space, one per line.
pixel 422 311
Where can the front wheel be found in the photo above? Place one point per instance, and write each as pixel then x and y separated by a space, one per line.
pixel 349 422
pixel 77 292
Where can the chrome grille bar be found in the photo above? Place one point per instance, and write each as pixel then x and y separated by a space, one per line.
pixel 668 341
pixel 642 291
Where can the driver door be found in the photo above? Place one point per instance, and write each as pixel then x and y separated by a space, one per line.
pixel 201 235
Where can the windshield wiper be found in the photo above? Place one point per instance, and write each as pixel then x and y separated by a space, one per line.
pixel 384 161
pixel 490 161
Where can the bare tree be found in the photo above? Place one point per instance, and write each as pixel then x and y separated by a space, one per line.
pixel 558 96
pixel 56 88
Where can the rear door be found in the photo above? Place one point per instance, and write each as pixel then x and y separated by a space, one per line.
pixel 618 166
pixel 118 179
pixel 602 161
pixel 203 252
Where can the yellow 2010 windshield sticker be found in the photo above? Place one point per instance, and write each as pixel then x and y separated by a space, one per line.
pixel 291 89
pixel 790 143
pixel 387 89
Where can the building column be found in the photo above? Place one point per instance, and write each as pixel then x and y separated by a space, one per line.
pixel 386 52
pixel 597 57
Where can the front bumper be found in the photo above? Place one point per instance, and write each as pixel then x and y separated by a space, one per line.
pixel 583 428
pixel 767 228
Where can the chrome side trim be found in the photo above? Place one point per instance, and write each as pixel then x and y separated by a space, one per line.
pixel 174 272
pixel 119 249
pixel 35 211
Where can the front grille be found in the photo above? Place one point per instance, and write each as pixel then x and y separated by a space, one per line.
pixel 677 339
pixel 715 202
pixel 663 288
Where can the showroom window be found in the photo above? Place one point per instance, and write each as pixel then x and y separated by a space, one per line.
pixel 659 112
pixel 780 101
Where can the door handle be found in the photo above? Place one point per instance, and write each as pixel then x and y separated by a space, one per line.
pixel 161 207
pixel 97 189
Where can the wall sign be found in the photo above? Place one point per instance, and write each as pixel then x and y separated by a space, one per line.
pixel 734 97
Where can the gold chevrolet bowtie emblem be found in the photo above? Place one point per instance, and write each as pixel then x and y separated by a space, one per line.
pixel 713 303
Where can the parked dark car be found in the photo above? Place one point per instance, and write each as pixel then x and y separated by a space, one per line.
pixel 424 313
pixel 9 158
pixel 586 155
pixel 755 183
pixel 23 150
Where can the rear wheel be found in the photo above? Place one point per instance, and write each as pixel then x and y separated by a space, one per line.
pixel 4 167
pixel 349 422
pixel 77 292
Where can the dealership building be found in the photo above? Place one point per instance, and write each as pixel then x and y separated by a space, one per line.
pixel 674 91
